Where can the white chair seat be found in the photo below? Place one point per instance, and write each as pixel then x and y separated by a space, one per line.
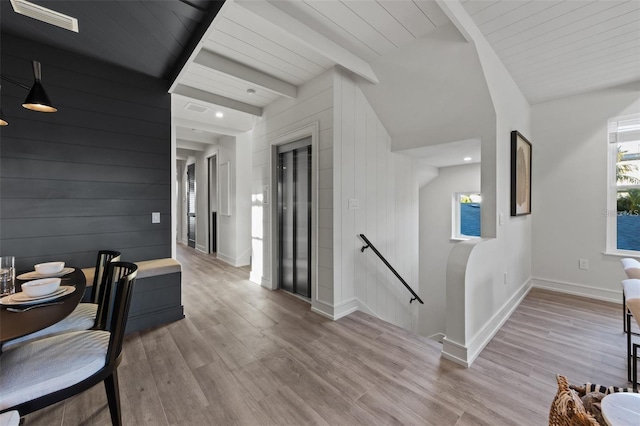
pixel 630 263
pixel 49 365
pixel 82 318
pixel 10 418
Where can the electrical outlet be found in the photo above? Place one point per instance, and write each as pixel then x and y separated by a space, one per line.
pixel 584 264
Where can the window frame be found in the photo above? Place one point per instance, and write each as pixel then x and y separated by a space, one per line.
pixel 456 223
pixel 611 212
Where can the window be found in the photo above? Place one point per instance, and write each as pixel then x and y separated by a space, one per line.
pixel 623 213
pixel 466 215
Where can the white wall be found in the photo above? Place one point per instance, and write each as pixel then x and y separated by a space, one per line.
pixel 431 91
pixel 487 279
pixel 234 230
pixel 313 104
pixel 386 187
pixel 435 241
pixel 570 188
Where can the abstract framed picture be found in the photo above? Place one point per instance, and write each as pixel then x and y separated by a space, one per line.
pixel 520 175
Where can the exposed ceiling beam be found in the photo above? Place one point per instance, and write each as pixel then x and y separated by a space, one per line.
pixel 191 145
pixel 458 16
pixel 312 39
pixel 204 30
pixel 206 127
pixel 257 78
pixel 201 95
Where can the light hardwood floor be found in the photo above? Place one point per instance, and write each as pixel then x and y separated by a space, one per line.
pixel 246 355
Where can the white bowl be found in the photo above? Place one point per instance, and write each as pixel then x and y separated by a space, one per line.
pixel 49 268
pixel 41 287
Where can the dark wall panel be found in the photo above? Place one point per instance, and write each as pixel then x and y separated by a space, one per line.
pixel 89 176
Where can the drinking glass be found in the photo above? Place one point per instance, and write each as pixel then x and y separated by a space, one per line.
pixel 7 275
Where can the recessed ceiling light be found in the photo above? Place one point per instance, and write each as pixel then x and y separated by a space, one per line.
pixel 219 114
pixel 251 91
pixel 467 158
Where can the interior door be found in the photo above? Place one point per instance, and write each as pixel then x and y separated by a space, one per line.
pixel 191 205
pixel 294 217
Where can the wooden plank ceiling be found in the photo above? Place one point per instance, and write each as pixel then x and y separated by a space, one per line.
pixel 558 48
pixel 147 36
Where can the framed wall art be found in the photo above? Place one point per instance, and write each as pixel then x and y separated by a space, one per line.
pixel 520 175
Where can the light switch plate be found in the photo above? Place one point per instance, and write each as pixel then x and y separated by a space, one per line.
pixel 155 217
pixel 354 203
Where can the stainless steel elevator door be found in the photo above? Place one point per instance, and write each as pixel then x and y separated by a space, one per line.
pixel 294 217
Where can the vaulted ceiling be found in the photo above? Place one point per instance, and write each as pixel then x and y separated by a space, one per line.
pixel 240 56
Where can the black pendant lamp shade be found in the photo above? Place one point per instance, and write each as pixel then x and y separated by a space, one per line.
pixel 37 99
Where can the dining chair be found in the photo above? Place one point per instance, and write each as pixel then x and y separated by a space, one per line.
pixel 632 269
pixel 83 316
pixel 44 372
pixel 10 418
pixel 631 290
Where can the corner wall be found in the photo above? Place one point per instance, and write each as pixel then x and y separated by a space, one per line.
pixel 487 278
pixel 435 240
pixel 385 186
pixel 570 191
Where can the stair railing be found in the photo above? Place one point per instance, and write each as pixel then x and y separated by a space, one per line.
pixel 372 247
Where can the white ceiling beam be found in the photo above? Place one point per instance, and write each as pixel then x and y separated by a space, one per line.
pixel 223 101
pixel 257 78
pixel 311 38
pixel 206 127
pixel 191 145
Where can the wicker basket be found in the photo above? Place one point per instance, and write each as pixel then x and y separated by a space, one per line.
pixel 567 408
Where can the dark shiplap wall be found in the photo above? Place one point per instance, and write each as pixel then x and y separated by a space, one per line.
pixel 87 177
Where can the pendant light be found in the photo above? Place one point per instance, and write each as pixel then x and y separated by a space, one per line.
pixel 37 99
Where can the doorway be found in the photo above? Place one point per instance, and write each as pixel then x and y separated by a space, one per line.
pixel 213 204
pixel 191 205
pixel 294 216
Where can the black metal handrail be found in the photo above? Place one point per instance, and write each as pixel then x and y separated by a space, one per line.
pixel 369 245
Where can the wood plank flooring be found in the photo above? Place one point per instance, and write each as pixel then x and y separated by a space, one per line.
pixel 248 356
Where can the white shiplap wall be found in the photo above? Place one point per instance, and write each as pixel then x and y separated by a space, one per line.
pixel 314 104
pixel 386 186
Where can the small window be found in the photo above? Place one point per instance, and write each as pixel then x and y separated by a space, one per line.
pixel 466 215
pixel 623 231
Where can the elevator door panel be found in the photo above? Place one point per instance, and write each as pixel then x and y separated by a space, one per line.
pixel 294 218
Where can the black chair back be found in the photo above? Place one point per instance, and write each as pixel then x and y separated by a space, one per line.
pixel 114 310
pixel 104 258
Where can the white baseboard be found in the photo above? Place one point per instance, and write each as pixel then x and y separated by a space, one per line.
pixel 465 355
pixel 578 290
pixel 266 283
pixel 454 351
pixel 345 308
pixel 362 307
pixel 323 309
pixel 202 249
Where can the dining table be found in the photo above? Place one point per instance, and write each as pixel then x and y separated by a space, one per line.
pixel 18 324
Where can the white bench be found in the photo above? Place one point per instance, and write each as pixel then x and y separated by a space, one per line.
pixel 157 297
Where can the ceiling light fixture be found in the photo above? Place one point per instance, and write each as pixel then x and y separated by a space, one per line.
pixel 251 92
pixel 467 158
pixel 37 99
pixel 219 114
